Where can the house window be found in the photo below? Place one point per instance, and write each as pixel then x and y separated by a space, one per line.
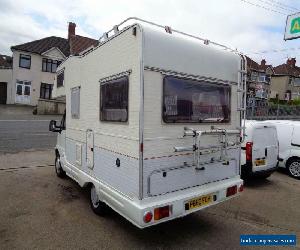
pixel 46 91
pixel 297 82
pixel 191 101
pixel 25 61
pixel 75 103
pixel 50 65
pixel 262 77
pixel 254 76
pixel 114 100
pixel 290 80
pixel 60 79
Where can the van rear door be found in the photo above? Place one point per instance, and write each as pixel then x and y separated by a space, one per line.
pixel 265 148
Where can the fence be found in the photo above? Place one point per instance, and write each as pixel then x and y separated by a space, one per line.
pixel 273 112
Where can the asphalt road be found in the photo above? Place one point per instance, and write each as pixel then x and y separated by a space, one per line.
pixel 19 135
pixel 40 211
pixel 21 130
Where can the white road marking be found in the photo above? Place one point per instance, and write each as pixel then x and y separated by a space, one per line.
pixel 24 120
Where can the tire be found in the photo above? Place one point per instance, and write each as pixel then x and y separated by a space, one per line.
pixel 293 168
pixel 58 169
pixel 97 206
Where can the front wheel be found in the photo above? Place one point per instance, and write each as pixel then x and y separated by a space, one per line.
pixel 97 206
pixel 293 168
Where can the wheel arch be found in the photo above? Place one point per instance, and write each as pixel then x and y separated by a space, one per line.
pixel 291 159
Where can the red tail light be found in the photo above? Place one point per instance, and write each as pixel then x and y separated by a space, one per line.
pixel 249 151
pixel 148 217
pixel 161 212
pixel 241 188
pixel 231 191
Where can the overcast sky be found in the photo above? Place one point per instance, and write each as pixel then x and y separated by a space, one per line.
pixel 248 25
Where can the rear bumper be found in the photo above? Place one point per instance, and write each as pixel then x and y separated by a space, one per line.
pixel 134 210
pixel 248 172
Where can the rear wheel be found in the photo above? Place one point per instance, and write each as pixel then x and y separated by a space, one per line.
pixel 58 169
pixel 97 206
pixel 293 167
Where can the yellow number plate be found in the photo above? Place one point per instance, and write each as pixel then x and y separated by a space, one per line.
pixel 198 202
pixel 260 162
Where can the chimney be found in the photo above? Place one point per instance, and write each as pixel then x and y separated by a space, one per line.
pixel 293 62
pixel 71 30
pixel 263 62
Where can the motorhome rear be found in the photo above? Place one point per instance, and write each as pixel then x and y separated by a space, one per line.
pixel 259 150
pixel 153 123
pixel 289 145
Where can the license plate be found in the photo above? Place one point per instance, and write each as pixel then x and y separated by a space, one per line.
pixel 260 162
pixel 198 202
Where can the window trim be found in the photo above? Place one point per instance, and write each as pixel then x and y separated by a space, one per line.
pixel 107 81
pixel 49 60
pixel 50 90
pixel 26 55
pixel 196 123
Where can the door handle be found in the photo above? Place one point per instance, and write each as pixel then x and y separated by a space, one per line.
pixel 266 152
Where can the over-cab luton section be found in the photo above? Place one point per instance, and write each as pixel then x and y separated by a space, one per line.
pixel 153 122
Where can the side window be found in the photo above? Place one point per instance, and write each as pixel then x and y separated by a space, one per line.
pixel 114 100
pixel 75 103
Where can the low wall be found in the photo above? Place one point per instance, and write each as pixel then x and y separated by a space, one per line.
pixel 50 107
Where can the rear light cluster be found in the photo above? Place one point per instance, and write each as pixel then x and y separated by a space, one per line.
pixel 159 213
pixel 234 189
pixel 249 146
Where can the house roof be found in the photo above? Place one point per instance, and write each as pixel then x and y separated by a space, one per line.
pixel 252 65
pixel 5 62
pixel 44 44
pixel 75 45
pixel 81 43
pixel 287 69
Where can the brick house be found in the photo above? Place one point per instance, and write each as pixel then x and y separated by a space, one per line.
pixel 35 64
pixel 258 79
pixel 285 83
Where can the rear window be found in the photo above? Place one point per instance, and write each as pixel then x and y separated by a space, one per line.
pixel 191 101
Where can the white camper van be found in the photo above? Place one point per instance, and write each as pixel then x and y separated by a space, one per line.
pixel 289 145
pixel 153 122
pixel 259 150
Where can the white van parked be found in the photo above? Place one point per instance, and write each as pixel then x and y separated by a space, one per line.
pixel 259 150
pixel 125 136
pixel 289 145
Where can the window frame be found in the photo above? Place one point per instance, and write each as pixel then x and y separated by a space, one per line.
pixel 52 62
pixel 228 121
pixel 111 81
pixel 50 90
pixel 28 58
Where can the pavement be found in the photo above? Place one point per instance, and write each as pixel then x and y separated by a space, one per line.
pixel 41 211
pixel 21 130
